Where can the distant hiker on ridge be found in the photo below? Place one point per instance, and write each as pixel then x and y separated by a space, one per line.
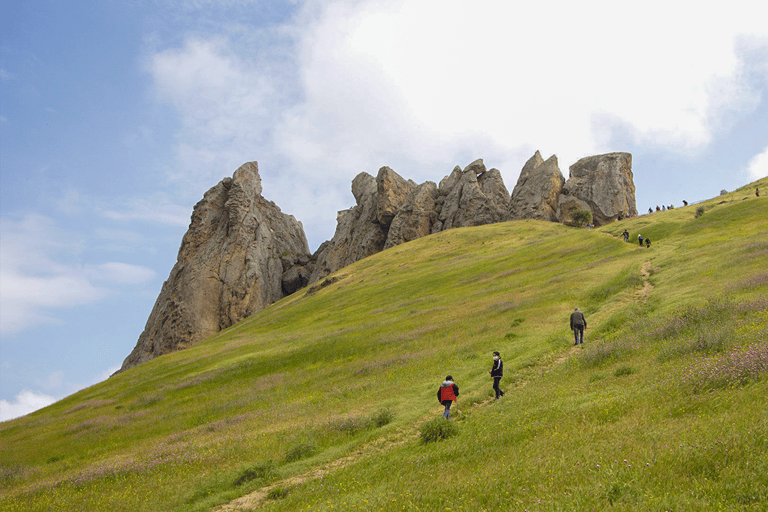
pixel 578 324
pixel 447 394
pixel 497 372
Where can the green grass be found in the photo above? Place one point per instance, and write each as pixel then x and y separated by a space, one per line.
pixel 662 408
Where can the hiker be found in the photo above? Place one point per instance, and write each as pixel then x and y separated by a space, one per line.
pixel 497 372
pixel 648 243
pixel 578 324
pixel 625 234
pixel 685 203
pixel 757 192
pixel 447 394
pixel 640 239
pixel 657 208
pixel 650 210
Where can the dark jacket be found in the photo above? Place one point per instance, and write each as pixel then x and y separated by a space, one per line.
pixel 577 319
pixel 449 387
pixel 497 370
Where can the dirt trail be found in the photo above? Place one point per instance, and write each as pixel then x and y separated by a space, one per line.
pixel 643 293
pixel 400 436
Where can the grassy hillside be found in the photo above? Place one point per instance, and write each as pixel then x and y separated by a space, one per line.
pixel 318 402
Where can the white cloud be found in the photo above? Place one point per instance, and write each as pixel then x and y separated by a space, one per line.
pixel 121 273
pixel 156 209
pixel 423 85
pixel 40 273
pixel 433 74
pixel 24 403
pixel 758 165
pixel 226 103
pixel 6 75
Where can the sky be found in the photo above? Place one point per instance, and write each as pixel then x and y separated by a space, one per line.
pixel 117 116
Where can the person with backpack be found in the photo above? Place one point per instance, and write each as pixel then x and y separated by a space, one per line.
pixel 497 372
pixel 578 324
pixel 625 234
pixel 640 239
pixel 648 242
pixel 447 393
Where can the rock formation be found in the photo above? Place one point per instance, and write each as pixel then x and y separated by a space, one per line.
pixel 359 232
pixel 415 216
pixel 536 193
pixel 472 197
pixel 240 254
pixel 391 210
pixel 602 184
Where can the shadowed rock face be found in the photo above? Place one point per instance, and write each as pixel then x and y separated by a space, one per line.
pixel 602 184
pixel 535 195
pixel 238 256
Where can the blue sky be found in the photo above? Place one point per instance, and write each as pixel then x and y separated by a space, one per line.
pixel 116 117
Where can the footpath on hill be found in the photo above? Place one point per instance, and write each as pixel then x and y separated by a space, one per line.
pixel 253 500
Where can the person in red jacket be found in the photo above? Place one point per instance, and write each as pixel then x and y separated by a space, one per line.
pixel 447 394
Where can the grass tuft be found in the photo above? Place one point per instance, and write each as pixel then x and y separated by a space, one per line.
pixel 438 429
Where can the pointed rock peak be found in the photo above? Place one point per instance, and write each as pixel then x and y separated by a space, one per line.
pixel 247 175
pixel 478 167
pixel 532 163
pixel 363 184
pixel 551 161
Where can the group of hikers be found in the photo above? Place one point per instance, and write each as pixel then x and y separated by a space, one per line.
pixel 448 392
pixel 640 239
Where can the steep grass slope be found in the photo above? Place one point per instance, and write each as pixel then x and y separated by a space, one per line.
pixel 319 399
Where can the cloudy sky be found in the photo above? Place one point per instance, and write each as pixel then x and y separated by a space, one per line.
pixel 117 116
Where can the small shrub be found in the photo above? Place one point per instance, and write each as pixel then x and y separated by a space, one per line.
pixel 261 471
pixel 381 418
pixel 624 370
pixel 581 217
pixel 699 211
pixel 277 493
pixel 437 430
pixel 349 426
pixel 300 451
pixel 469 402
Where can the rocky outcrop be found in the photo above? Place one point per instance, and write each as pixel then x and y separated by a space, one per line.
pixel 391 190
pixel 471 197
pixel 240 254
pixel 359 233
pixel 536 193
pixel 415 216
pixel 602 184
pixel 391 210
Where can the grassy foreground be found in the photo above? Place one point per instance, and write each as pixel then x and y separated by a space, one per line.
pixel 317 402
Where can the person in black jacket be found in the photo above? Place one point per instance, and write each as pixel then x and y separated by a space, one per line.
pixel 578 324
pixel 447 393
pixel 497 372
